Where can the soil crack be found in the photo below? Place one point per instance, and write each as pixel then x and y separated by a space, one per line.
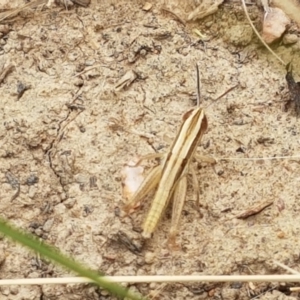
pixel 73 111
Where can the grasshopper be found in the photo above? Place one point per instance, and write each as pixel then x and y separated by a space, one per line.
pixel 170 177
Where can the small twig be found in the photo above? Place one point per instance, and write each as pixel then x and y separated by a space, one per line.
pixel 258 158
pixel 174 15
pixel 222 95
pixel 285 267
pixel 86 70
pixel 198 85
pixel 5 72
pixel 226 92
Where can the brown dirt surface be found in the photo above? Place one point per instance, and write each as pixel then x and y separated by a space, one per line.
pixel 66 132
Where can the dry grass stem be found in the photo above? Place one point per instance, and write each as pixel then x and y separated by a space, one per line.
pixel 258 158
pixel 285 267
pixel 159 278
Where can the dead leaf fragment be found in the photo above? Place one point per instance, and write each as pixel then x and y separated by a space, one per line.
pixel 132 178
pixel 147 6
pixel 280 205
pixel 129 77
pixel 254 210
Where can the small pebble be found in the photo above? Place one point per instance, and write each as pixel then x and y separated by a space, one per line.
pixel 69 203
pixel 32 191
pixel 89 62
pixel 73 56
pixel 38 232
pixel 230 293
pixel 147 6
pixel 281 234
pixel 48 224
pixel 60 208
pixel 33 275
pixel 290 38
pixel 5 291
pixel 153 285
pixel 104 293
pixel 14 290
pixel 236 285
pixel 149 257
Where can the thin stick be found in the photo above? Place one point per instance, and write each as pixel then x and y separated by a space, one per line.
pixel 222 95
pixel 226 92
pixel 257 33
pixel 88 69
pixel 292 289
pixel 258 158
pixel 198 85
pixel 160 278
pixel 173 14
pixel 285 267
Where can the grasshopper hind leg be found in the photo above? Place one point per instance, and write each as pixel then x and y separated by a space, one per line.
pixel 179 199
pixel 178 202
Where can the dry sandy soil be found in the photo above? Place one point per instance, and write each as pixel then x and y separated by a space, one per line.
pixel 67 129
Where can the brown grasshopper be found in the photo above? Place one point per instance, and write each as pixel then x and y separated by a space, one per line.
pixel 170 177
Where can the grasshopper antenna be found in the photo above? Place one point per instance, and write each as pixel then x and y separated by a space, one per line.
pixel 198 85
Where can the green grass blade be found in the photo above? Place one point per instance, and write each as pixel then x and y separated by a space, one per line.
pixel 53 254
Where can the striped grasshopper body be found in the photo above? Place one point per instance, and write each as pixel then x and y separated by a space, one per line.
pixel 170 177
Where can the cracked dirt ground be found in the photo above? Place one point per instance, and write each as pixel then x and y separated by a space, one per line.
pixel 66 133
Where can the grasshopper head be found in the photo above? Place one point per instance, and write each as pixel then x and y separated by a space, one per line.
pixel 196 113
